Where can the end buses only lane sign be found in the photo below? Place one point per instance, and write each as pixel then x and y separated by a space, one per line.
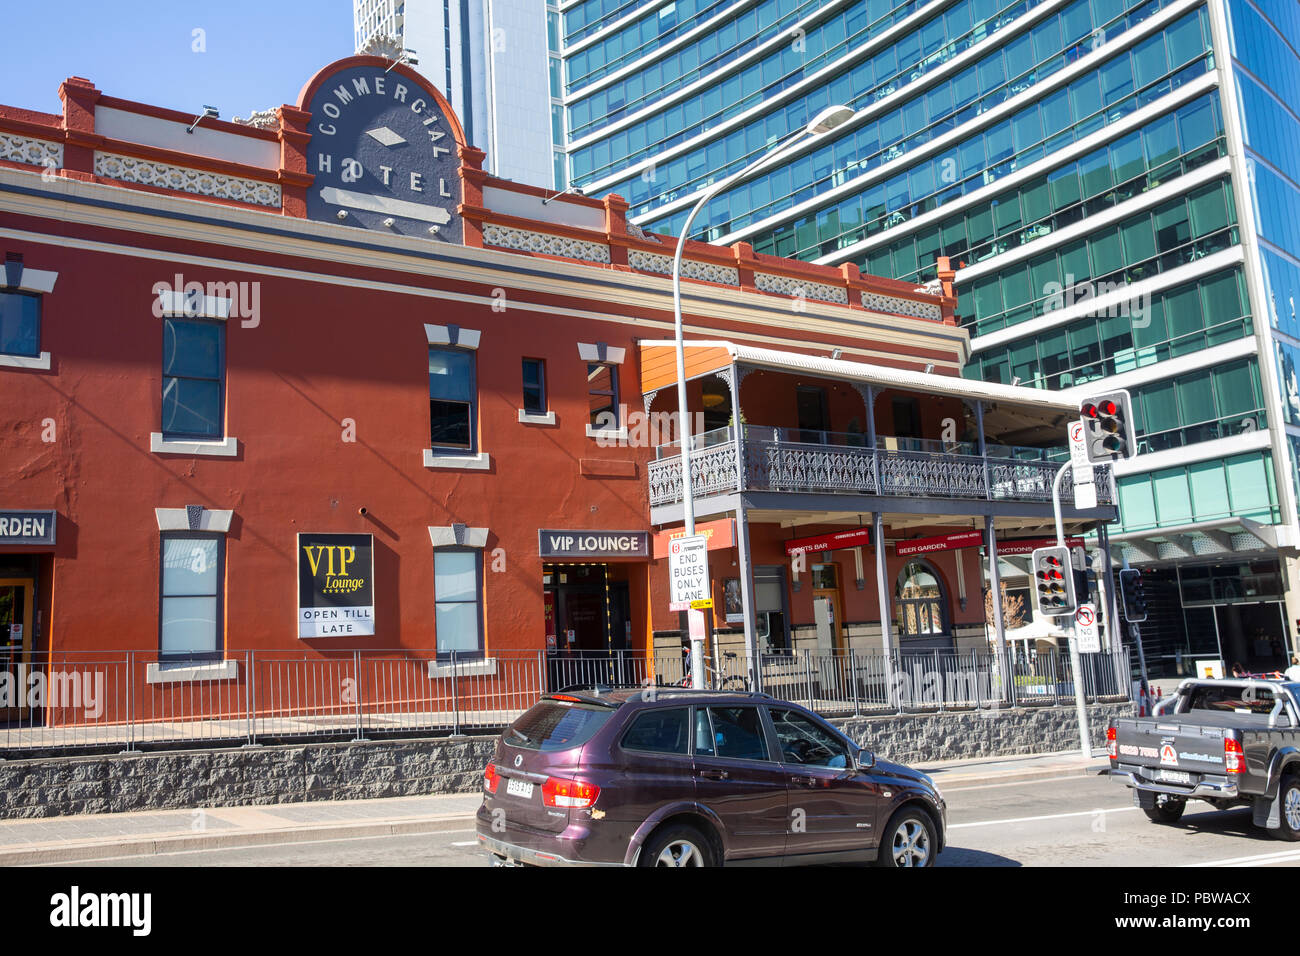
pixel 688 571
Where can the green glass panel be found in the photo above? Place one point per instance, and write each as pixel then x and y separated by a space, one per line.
pixel 1236 389
pixel 1106 251
pixel 1159 407
pixel 1209 490
pixel 1173 500
pixel 1209 211
pixel 1139 240
pixel 1196 397
pixel 1137 505
pixel 1248 486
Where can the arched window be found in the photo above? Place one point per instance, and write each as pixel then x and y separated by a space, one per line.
pixel 920 602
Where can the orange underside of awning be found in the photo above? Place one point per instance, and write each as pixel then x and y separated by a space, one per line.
pixel 659 364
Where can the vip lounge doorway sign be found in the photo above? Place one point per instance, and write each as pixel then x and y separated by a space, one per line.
pixel 336 585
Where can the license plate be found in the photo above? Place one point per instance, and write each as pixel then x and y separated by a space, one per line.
pixel 1173 776
pixel 522 788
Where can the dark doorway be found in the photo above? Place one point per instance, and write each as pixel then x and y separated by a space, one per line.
pixel 1251 635
pixel 814 419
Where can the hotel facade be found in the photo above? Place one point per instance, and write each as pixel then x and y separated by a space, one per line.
pixel 1114 182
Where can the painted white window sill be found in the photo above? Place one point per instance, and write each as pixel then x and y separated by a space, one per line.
pixel 531 418
pixel 179 673
pixel 227 448
pixel 612 435
pixel 480 668
pixel 40 362
pixel 480 462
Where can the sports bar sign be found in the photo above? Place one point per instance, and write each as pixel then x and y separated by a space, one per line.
pixel 856 538
pixel 336 585
pixel 975 539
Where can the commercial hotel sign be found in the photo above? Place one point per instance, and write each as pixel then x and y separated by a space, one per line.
pixel 336 585
pixel 383 152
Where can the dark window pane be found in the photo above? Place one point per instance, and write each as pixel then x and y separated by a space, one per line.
pixel 20 324
pixel 192 349
pixel 738 733
pixel 451 375
pixel 659 731
pixel 191 407
pixel 534 377
pixel 449 423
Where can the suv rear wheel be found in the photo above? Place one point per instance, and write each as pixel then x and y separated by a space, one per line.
pixel 909 840
pixel 677 845
pixel 1167 809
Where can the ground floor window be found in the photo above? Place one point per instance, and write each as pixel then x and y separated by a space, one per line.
pixel 920 601
pixel 458 600
pixel 192 588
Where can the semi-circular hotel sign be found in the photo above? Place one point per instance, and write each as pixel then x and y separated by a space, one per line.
pixel 383 151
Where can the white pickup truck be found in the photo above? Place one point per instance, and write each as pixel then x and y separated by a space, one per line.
pixel 1227 742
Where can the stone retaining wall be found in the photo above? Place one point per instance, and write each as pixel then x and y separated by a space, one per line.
pixel 114 783
pixel 957 735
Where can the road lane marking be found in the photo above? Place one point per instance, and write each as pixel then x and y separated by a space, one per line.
pixel 1279 856
pixel 1064 778
pixel 1049 816
pixel 246 846
pixel 467 843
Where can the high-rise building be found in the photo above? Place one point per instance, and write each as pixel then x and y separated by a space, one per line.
pixel 1118 182
pixel 490 59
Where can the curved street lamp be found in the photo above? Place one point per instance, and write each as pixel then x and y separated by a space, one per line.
pixel 825 121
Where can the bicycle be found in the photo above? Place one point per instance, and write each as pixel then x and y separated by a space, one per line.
pixel 714 676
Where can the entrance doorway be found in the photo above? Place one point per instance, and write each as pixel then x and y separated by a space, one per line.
pixel 828 608
pixel 15 640
pixel 587 628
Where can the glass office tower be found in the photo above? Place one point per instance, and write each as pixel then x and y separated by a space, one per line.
pixel 1116 181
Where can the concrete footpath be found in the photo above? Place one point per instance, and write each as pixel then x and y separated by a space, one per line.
pixel 72 839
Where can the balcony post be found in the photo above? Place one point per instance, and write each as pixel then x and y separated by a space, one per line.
pixel 732 378
pixel 747 596
pixel 883 595
pixel 995 601
pixel 982 447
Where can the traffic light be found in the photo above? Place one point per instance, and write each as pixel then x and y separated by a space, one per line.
pixel 1133 595
pixel 1054 582
pixel 1081 562
pixel 1108 426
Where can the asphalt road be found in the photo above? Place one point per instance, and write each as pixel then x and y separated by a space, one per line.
pixel 1070 821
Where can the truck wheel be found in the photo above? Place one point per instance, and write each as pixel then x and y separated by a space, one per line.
pixel 1288 799
pixel 1167 809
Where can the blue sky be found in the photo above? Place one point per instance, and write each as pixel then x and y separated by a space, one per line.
pixel 258 54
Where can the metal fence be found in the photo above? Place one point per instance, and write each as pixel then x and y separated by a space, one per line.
pixel 131 700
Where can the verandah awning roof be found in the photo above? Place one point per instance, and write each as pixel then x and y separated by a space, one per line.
pixel 659 370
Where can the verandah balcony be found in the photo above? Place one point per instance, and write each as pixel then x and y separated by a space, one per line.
pixel 764 458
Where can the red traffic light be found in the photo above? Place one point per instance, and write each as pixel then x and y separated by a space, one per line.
pixel 1090 410
pixel 1108 407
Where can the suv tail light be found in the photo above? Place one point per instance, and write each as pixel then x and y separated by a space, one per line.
pixel 1112 746
pixel 569 793
pixel 1234 761
pixel 491 778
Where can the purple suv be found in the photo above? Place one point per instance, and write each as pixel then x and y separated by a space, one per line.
pixel 675 777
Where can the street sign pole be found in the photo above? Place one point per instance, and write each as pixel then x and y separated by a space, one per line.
pixel 1076 669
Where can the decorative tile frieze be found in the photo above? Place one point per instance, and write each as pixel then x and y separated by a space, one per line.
pixel 900 306
pixel 37 152
pixel 545 243
pixel 799 288
pixel 691 269
pixel 200 182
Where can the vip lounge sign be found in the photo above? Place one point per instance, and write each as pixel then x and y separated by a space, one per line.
pixel 336 585
pixel 383 152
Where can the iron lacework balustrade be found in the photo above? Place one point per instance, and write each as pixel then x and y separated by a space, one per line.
pixel 761 458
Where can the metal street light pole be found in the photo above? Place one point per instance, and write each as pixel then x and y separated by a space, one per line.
pixel 823 122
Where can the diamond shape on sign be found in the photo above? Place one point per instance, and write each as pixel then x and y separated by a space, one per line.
pixel 385 136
